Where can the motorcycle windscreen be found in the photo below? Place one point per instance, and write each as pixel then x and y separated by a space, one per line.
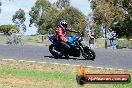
pixel 53 39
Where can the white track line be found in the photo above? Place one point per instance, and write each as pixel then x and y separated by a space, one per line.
pixel 60 64
pixel 8 59
pixel 31 61
pixel 42 62
pixel 21 60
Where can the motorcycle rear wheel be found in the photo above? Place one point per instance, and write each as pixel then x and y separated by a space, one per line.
pixel 55 54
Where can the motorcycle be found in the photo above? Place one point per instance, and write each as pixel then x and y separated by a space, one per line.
pixel 77 48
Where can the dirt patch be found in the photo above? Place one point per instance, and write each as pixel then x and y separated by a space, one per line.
pixel 24 81
pixel 106 71
pixel 22 65
pixel 16 82
pixel 47 67
pixel 29 83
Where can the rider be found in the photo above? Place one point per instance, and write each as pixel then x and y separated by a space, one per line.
pixel 61 32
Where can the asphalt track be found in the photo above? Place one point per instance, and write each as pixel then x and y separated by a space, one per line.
pixel 117 59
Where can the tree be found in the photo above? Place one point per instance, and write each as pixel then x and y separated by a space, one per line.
pixel 75 18
pixel 0 5
pixel 62 4
pixel 123 28
pixel 19 19
pixel 106 13
pixel 43 16
pixel 6 28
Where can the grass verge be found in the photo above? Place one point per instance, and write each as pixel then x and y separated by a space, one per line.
pixel 28 40
pixel 2 39
pixel 36 74
pixel 21 74
pixel 100 43
pixel 37 41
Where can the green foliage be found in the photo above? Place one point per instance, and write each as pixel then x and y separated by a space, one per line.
pixel 45 16
pixel 19 19
pixel 62 4
pixel 6 28
pixel 98 33
pixel 105 13
pixel 74 17
pixel 127 5
pixel 124 28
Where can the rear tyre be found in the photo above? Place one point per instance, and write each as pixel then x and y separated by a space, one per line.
pixel 89 54
pixel 55 53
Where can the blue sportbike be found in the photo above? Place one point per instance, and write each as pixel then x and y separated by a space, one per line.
pixel 77 48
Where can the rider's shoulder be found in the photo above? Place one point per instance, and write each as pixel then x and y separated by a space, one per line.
pixel 58 27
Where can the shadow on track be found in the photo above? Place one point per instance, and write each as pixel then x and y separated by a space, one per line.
pixel 74 58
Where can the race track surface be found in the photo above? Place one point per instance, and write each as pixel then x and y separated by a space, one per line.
pixel 117 59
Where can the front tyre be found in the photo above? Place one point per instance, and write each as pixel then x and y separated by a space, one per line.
pixel 88 54
pixel 55 53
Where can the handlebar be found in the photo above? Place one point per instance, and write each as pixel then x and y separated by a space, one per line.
pixel 79 37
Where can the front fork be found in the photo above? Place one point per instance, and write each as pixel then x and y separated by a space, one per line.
pixel 82 50
pixel 80 47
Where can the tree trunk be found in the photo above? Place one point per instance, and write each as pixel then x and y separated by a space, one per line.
pixel 42 39
pixel 105 39
pixel 106 28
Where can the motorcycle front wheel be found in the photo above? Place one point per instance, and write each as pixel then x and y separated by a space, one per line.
pixel 53 51
pixel 88 54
